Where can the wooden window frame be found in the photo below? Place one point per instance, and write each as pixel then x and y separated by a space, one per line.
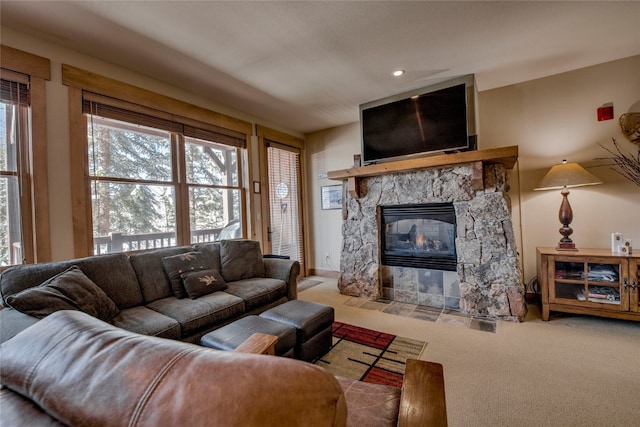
pixel 35 213
pixel 79 81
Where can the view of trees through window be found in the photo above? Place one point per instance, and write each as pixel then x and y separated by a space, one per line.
pixel 10 222
pixel 137 177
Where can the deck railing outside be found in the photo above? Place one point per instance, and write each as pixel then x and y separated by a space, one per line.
pixel 118 242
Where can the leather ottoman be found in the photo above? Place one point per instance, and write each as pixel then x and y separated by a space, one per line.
pixel 229 337
pixel 312 322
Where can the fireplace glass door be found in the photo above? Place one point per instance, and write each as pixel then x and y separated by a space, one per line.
pixel 419 236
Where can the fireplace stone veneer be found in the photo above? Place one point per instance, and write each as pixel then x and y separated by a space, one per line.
pixel 487 259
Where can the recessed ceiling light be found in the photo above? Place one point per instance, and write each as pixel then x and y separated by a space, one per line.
pixel 398 73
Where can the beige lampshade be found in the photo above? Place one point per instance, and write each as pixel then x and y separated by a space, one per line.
pixel 567 175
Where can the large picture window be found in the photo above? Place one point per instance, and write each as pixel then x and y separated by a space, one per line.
pixel 137 180
pixel 149 171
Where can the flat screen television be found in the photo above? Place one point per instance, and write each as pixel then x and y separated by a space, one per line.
pixel 428 120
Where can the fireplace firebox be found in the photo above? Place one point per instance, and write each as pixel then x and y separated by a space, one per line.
pixel 418 236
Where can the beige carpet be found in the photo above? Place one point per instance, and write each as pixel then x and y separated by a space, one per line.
pixel 571 371
pixel 307 283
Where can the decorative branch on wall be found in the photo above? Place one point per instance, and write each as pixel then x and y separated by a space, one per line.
pixel 625 164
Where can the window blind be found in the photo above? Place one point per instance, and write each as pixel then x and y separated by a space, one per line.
pixel 284 172
pixel 137 114
pixel 15 92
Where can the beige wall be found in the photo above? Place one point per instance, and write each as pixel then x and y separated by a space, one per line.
pixel 58 129
pixel 549 119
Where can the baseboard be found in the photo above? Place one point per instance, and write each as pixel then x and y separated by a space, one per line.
pixel 324 273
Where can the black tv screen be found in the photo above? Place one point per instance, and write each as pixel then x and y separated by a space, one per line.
pixel 433 121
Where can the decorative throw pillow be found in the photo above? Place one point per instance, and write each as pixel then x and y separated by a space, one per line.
pixel 175 265
pixel 203 282
pixel 69 290
pixel 241 259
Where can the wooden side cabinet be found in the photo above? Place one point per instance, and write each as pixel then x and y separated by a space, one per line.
pixel 589 281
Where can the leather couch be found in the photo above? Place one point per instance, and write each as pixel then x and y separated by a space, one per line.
pixel 73 369
pixel 147 292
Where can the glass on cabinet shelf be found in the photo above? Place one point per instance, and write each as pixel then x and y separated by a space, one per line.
pixel 606 273
pixel 569 270
pixel 601 294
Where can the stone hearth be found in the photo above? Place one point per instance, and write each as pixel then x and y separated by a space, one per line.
pixel 487 259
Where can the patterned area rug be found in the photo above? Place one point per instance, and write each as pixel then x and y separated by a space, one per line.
pixel 368 355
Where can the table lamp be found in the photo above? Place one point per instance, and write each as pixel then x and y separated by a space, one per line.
pixel 566 175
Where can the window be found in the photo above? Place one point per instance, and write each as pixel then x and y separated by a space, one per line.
pixel 14 175
pixel 136 180
pixel 24 220
pixel 214 191
pixel 149 171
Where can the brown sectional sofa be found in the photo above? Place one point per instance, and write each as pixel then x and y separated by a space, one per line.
pixel 141 289
pixel 73 369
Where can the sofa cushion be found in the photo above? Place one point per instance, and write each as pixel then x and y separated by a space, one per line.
pixel 143 320
pixel 258 291
pixel 69 290
pixel 203 282
pixel 241 259
pixel 202 313
pixel 112 273
pixel 13 321
pixel 149 269
pixel 175 265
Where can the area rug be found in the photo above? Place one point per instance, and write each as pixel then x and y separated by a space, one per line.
pixel 305 284
pixel 368 355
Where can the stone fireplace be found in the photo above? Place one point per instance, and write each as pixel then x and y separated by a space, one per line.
pixel 486 281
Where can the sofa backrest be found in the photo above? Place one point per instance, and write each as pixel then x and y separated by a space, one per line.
pixel 111 272
pixel 211 252
pixel 82 371
pixel 150 272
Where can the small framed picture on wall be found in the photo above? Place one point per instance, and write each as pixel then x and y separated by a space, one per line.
pixel 331 196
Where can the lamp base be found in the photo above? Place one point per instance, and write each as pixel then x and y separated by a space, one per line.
pixel 566 246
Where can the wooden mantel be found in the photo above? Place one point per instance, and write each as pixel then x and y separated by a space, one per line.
pixel 506 156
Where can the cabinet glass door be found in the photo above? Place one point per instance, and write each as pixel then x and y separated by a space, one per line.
pixel 596 283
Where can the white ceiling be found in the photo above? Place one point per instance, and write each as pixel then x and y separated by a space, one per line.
pixel 308 65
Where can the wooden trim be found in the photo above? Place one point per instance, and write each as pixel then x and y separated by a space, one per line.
pixel 505 155
pixel 259 343
pixel 40 175
pixel 183 232
pixel 264 192
pixel 423 402
pixel 281 137
pixel 24 62
pixel 86 80
pixel 477 176
pixel 36 230
pixel 80 189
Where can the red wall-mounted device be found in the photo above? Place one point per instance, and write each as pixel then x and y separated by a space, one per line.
pixel 605 112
